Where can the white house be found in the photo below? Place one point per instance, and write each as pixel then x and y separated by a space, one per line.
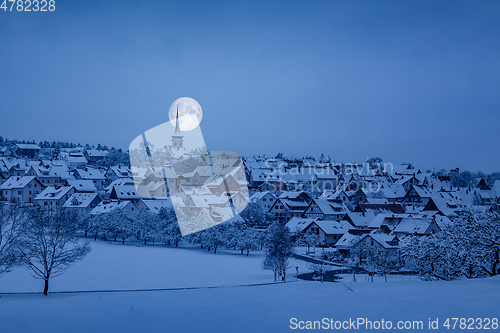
pixel 21 189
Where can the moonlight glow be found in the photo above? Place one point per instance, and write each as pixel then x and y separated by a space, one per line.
pixel 190 113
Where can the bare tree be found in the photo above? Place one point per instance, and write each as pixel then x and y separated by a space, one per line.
pixel 12 225
pixel 51 245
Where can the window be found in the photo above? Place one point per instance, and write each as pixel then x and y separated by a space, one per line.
pixel 19 192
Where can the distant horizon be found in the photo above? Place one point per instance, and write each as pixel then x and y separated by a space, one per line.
pixel 415 164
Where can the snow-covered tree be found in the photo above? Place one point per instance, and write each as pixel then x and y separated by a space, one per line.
pixel 12 226
pixel 279 248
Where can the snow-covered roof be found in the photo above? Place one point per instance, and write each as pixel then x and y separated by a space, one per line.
pixel 298 224
pixel 334 227
pixel 28 146
pixel 16 182
pixel 109 206
pixel 90 173
pixel 347 241
pixel 82 185
pixel 119 181
pixel 257 196
pixel 125 192
pixel 97 153
pixel 80 200
pixel 156 205
pixel 412 225
pixel 52 193
pixel 360 219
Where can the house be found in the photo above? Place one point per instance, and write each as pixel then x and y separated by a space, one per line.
pixel 386 222
pixel 82 203
pixel 417 196
pixel 74 160
pixel 94 155
pixel 416 226
pixel 124 192
pixel 47 175
pixel 265 200
pixel 259 176
pixel 324 209
pixel 285 208
pixel 119 181
pixel 52 198
pixel 346 242
pixel 439 204
pixel 83 186
pixel 483 186
pixel 21 189
pixel 95 175
pixel 298 224
pixel 359 220
pixel 376 243
pixel 109 206
pixel 27 150
pixel 329 232
pixel 336 196
pixel 407 181
pixel 154 205
pixel 118 172
pixel 359 196
pixel 374 207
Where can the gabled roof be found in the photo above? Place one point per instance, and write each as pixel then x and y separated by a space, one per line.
pixel 109 206
pixel 28 146
pixel 157 205
pixel 124 192
pixel 412 225
pixel 382 239
pixel 80 200
pixel 347 241
pixel 359 219
pixel 257 196
pixel 422 191
pixel 52 193
pixel 333 227
pixel 439 204
pixel 82 185
pixel 298 224
pixel 90 173
pixel 18 182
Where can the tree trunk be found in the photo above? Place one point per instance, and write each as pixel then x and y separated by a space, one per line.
pixel 248 252
pixel 144 241
pixel 123 241
pixel 46 287
pixel 241 251
pixel 215 249
pixel 95 236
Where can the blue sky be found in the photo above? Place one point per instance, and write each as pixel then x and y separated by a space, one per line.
pixel 414 81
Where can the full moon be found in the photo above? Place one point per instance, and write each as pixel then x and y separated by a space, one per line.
pixel 190 113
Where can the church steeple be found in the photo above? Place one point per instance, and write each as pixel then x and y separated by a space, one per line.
pixel 177 126
pixel 177 138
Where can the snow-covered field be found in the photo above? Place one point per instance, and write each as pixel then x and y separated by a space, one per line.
pixel 227 309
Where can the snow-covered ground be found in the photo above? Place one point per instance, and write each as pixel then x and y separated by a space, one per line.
pixel 115 266
pixel 227 309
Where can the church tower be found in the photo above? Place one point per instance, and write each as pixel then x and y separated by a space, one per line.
pixel 177 138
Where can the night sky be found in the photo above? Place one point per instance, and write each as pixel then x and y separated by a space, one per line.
pixel 409 81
